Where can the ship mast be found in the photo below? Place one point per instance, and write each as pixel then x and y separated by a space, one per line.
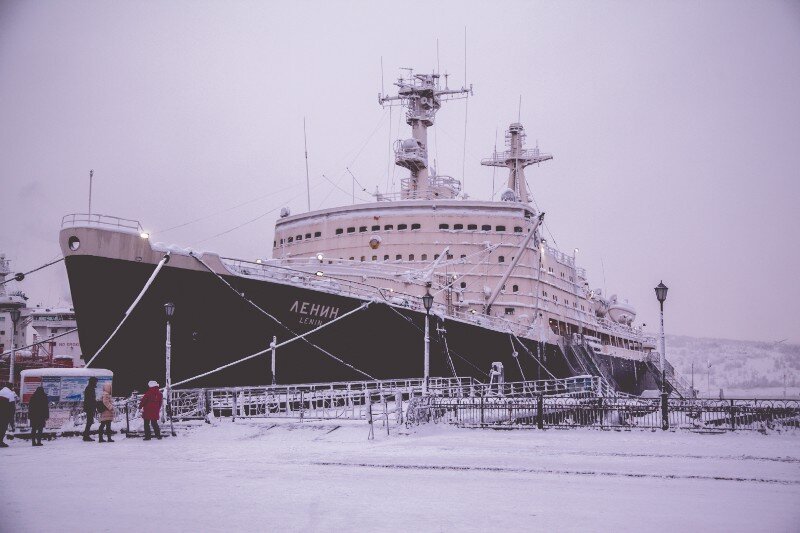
pixel 516 158
pixel 421 95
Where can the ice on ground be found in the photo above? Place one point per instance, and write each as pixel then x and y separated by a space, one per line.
pixel 323 476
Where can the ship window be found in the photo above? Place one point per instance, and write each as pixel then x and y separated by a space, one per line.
pixel 544 293
pixel 463 256
pixel 339 231
pixel 550 269
pixel 582 309
pixel 486 227
pixel 386 257
pixel 501 259
pixel 374 257
pixel 435 256
pixel 515 288
pixel 398 257
pixel 517 229
pixel 415 226
pixel 388 227
pixel 410 257
pixel 570 278
pixel 444 226
pixel 299 238
pixel 458 226
pixel 376 228
pixel 351 230
pixel 424 257
pixel 463 284
pixel 472 226
pixel 449 256
pixel 308 235
pixel 274 244
pixel 74 243
pixel 555 298
pixel 281 241
pixel 362 229
pixel 402 227
pixel 290 239
pixel 500 228
pixel 575 304
pixel 352 259
pixel 362 258
pixel 317 234
pixel 509 310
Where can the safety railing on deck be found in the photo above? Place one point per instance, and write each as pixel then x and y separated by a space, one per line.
pixel 94 219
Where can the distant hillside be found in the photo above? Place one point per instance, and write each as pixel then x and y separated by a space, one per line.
pixel 735 364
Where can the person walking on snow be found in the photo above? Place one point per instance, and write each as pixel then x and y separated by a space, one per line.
pixel 151 408
pixel 38 413
pixel 107 415
pixel 7 408
pixel 89 406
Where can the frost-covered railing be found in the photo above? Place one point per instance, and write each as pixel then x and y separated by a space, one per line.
pixel 346 399
pixel 615 412
pixel 364 291
pixel 94 219
pixel 594 385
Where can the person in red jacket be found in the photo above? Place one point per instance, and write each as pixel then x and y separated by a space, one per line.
pixel 151 409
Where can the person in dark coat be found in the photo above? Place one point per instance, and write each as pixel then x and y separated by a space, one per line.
pixel 7 408
pixel 38 413
pixel 89 406
pixel 151 409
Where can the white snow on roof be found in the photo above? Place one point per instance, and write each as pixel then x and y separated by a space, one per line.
pixel 34 372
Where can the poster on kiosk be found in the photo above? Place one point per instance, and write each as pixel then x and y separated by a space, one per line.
pixel 62 385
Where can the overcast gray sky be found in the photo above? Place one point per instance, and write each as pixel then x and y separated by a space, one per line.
pixel 674 126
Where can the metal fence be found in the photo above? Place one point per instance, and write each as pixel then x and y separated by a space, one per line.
pixel 603 412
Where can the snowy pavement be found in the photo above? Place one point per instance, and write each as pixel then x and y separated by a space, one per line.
pixel 324 476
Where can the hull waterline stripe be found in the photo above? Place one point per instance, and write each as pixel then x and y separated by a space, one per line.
pixel 133 305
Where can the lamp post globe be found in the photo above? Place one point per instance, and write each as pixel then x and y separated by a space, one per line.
pixel 169 308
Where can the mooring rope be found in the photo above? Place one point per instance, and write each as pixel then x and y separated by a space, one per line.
pixel 161 263
pixel 19 276
pixel 284 343
pixel 515 355
pixel 470 363
pixel 40 342
pixel 533 356
pixel 287 328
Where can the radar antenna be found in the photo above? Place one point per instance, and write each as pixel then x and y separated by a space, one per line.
pixel 516 158
pixel 422 96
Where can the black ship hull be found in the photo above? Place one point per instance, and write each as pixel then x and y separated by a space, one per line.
pixel 213 326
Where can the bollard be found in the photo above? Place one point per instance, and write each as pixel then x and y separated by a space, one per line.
pixel 733 416
pixel 127 421
pixel 540 411
pixel 664 411
pixel 481 410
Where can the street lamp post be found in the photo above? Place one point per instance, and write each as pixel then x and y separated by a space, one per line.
pixel 661 294
pixel 14 317
pixel 427 301
pixel 169 308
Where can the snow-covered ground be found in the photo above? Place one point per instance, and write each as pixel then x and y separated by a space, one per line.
pixel 323 476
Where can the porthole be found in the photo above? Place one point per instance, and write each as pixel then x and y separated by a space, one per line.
pixel 74 243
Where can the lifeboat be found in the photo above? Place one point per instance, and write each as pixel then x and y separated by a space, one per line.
pixel 621 312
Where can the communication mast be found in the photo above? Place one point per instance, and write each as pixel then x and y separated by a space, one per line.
pixel 516 158
pixel 422 96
